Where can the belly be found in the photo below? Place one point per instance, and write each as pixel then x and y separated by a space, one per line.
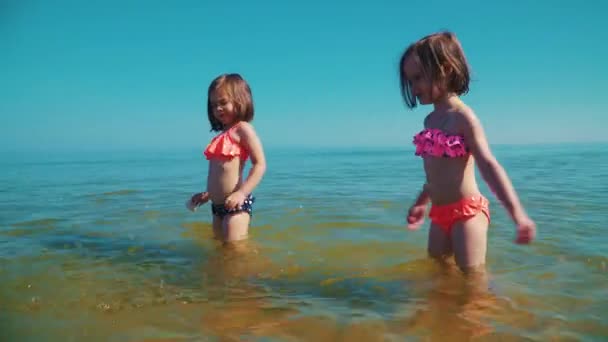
pixel 223 179
pixel 450 180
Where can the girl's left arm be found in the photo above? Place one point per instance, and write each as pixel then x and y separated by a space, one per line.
pixel 491 170
pixel 251 141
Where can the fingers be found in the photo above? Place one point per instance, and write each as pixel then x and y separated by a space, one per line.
pixel 232 203
pixel 194 198
pixel 199 198
pixel 414 224
pixel 415 217
pixel 193 202
pixel 190 205
pixel 523 240
pixel 525 235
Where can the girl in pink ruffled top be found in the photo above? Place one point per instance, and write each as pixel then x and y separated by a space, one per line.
pixel 434 71
pixel 230 110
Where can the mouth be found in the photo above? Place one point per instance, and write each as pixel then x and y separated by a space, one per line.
pixel 223 118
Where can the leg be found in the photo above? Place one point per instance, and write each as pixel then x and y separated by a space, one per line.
pixel 439 246
pixel 217 228
pixel 470 246
pixel 469 242
pixel 236 226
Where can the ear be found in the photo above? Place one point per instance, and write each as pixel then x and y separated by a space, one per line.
pixel 238 108
pixel 446 70
pixel 440 85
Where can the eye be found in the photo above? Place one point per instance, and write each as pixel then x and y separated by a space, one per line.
pixel 220 102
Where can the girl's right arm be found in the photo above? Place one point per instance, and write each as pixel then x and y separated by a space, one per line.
pixel 201 198
pixel 423 197
pixel 415 215
pixel 197 200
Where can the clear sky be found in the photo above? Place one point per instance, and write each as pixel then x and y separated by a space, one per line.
pixel 134 74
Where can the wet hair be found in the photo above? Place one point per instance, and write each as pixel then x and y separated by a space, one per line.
pixel 239 94
pixel 443 62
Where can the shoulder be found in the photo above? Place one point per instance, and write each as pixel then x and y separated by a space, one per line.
pixel 244 131
pixel 427 119
pixel 466 119
pixel 244 128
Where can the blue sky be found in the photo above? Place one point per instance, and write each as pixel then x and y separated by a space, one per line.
pixel 133 74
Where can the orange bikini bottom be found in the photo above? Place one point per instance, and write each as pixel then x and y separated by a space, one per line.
pixel 445 216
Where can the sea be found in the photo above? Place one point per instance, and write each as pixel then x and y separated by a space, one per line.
pixel 100 247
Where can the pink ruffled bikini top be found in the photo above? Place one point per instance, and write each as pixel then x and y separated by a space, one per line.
pixel 224 147
pixel 435 142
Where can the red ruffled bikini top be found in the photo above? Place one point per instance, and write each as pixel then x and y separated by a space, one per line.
pixel 224 147
pixel 435 142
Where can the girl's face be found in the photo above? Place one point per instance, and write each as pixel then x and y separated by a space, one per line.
pixel 223 108
pixel 421 85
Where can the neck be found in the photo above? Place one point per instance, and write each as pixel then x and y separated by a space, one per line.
pixel 230 125
pixel 447 101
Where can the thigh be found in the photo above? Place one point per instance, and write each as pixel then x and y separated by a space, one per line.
pixel 236 226
pixel 217 228
pixel 439 246
pixel 469 242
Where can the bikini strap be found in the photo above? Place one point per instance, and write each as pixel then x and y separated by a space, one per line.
pixel 234 126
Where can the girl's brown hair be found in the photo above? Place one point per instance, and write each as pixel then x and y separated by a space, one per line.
pixel 443 62
pixel 239 94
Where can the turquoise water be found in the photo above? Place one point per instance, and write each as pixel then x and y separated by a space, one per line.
pixel 100 247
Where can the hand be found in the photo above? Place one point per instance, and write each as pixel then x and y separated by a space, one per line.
pixel 415 216
pixel 235 200
pixel 196 200
pixel 199 198
pixel 526 230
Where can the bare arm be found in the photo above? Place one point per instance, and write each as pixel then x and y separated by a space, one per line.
pixel 423 197
pixel 250 140
pixel 490 169
pixel 415 215
pixel 197 199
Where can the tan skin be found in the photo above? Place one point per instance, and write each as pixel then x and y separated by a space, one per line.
pixel 225 177
pixel 451 179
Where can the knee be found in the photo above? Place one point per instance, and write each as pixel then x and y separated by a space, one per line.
pixel 234 237
pixel 438 255
pixel 472 270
